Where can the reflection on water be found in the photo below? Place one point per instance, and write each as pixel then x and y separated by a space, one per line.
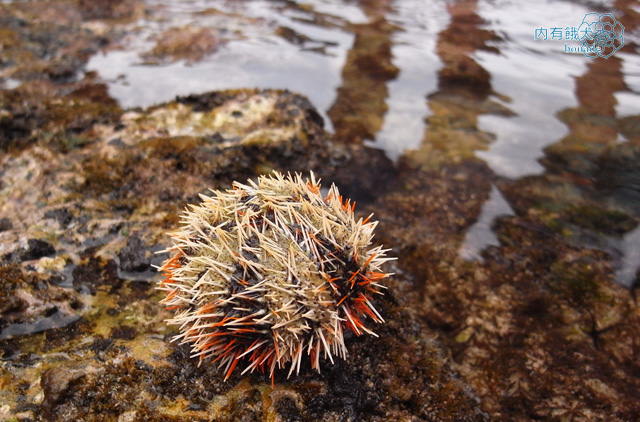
pixel 480 234
pixel 433 83
pixel 628 104
pixel 58 319
pixel 537 77
pixel 630 262
pixel 414 54
pixel 252 54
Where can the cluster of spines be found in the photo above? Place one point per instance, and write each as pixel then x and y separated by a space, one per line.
pixel 269 270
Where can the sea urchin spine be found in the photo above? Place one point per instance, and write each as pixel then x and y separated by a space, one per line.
pixel 270 271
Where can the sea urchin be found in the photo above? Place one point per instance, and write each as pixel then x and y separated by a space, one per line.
pixel 271 271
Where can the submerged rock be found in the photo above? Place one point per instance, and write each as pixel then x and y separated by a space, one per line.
pixel 188 44
pixel 538 327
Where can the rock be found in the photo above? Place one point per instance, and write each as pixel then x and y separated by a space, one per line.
pixel 358 111
pixel 29 303
pixel 62 215
pixel 36 248
pixel 55 383
pixel 133 257
pixel 110 9
pixel 95 272
pixel 5 224
pixel 188 43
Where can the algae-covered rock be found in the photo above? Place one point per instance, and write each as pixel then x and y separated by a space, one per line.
pixel 101 210
pixel 534 327
pixel 539 327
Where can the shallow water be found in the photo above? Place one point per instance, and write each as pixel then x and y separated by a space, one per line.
pixel 304 47
pixel 251 54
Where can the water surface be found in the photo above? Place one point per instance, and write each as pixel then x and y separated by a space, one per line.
pixel 305 47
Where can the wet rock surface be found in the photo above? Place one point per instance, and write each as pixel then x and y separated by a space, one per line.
pixel 543 324
pixel 113 360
